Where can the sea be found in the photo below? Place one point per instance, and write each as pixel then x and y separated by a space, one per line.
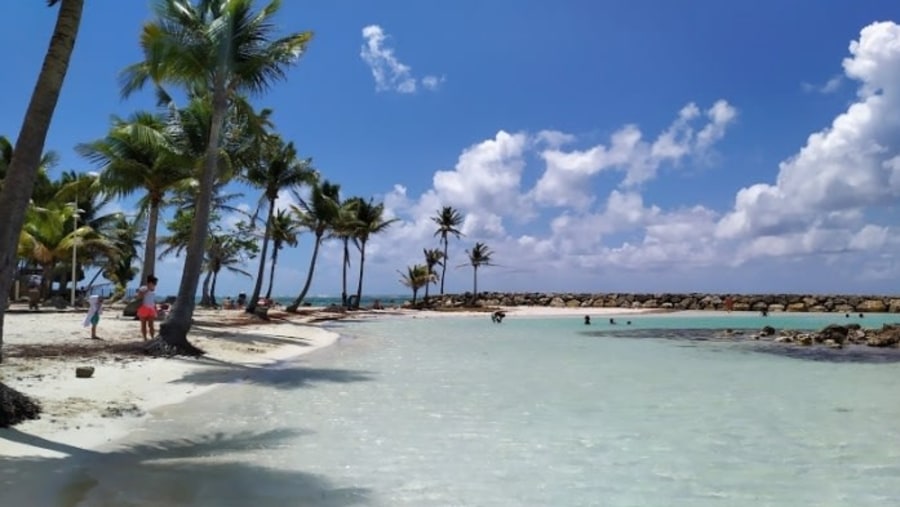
pixel 652 410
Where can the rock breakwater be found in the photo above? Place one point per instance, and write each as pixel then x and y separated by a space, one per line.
pixel 771 303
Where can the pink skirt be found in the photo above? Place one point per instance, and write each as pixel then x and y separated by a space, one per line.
pixel 146 312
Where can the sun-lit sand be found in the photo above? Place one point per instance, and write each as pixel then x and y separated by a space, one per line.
pixel 42 350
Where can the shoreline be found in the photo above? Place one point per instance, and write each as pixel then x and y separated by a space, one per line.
pixel 127 386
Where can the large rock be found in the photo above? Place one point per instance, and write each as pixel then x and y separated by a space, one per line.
pixel 887 336
pixel 557 302
pixel 131 308
pixel 799 306
pixel 833 332
pixel 894 306
pixel 872 305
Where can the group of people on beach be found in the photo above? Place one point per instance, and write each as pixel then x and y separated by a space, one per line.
pixel 147 312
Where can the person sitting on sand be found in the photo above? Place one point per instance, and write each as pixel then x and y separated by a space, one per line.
pixel 147 311
pixel 497 317
pixel 93 315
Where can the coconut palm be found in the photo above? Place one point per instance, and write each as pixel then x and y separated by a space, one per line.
pixel 433 257
pixel 216 50
pixel 344 228
pixel 126 239
pixel 448 220
pixel 317 214
pixel 138 155
pixel 284 232
pixel 370 221
pixel 227 251
pixel 479 256
pixel 24 164
pixel 415 278
pixel 277 169
pixel 48 240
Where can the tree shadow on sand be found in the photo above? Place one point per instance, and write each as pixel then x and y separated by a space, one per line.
pixel 175 472
pixel 287 377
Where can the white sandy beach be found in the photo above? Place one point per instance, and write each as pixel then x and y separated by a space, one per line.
pixel 126 385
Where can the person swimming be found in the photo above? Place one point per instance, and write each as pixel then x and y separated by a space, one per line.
pixel 612 321
pixel 497 317
pixel 587 320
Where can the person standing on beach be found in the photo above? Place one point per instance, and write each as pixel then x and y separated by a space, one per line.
pixel 93 315
pixel 147 311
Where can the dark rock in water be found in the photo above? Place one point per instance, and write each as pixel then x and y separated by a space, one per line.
pixel 84 371
pixel 887 336
pixel 767 331
pixel 15 407
pixel 835 332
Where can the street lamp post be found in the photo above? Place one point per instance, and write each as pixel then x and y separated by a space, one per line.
pixel 74 247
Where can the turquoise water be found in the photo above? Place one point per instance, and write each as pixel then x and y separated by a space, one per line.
pixel 531 412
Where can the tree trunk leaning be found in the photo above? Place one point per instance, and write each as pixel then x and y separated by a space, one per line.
pixel 23 169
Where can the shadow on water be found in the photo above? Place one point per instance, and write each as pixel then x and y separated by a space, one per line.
pixel 177 472
pixel 743 338
pixel 288 377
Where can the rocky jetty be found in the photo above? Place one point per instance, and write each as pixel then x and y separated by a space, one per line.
pixel 836 336
pixel 771 303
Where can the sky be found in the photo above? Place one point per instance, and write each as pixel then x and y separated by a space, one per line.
pixel 594 146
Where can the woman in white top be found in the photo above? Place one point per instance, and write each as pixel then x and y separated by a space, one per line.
pixel 147 311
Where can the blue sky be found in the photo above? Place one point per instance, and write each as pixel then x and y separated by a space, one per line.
pixel 593 145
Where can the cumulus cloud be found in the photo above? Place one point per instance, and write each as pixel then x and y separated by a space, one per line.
pixel 851 165
pixel 563 182
pixel 389 72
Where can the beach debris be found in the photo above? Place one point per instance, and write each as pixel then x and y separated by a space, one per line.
pixel 16 407
pixel 121 410
pixel 84 372
pixel 837 336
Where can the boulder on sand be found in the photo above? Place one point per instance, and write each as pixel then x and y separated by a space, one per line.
pixel 15 407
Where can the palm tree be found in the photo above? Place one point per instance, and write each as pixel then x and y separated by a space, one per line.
pixel 137 154
pixel 344 228
pixel 284 232
pixel 433 257
pixel 370 221
pixel 278 169
pixel 227 251
pixel 23 166
pixel 447 220
pixel 479 256
pixel 415 278
pixel 126 239
pixel 47 240
pixel 317 214
pixel 216 50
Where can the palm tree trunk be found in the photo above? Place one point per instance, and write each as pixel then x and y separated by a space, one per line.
pixel 474 284
pixel 312 266
pixel 204 291
pixel 23 169
pixel 150 245
pixel 257 288
pixel 344 273
pixel 444 266
pixel 212 289
pixel 425 297
pixel 362 264
pixel 415 293
pixel 173 332
pixel 272 272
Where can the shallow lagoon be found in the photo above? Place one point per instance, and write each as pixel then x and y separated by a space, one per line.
pixel 534 411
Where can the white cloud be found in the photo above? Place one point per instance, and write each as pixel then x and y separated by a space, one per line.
pixel 564 181
pixel 830 86
pixel 389 72
pixel 849 166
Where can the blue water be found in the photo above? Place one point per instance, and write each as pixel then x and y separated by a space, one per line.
pixel 531 412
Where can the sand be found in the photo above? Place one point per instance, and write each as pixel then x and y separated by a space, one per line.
pixel 42 350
